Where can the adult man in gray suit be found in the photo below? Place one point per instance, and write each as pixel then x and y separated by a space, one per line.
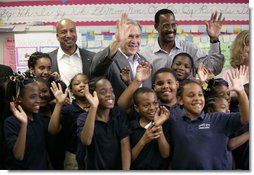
pixel 123 52
pixel 69 59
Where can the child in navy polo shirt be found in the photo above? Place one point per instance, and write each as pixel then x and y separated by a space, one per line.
pixel 199 140
pixel 105 129
pixel 150 148
pixel 239 141
pixel 26 130
pixel 64 119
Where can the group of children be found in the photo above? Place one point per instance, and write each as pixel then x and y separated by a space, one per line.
pixel 176 125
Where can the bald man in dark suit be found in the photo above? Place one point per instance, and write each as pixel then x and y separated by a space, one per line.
pixel 69 59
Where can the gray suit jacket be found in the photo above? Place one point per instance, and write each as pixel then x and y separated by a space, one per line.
pixel 102 65
pixel 86 57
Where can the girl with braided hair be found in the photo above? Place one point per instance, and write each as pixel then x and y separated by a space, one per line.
pixel 26 129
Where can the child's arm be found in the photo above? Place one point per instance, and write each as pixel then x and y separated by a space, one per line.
pixel 235 142
pixel 143 73
pixel 150 134
pixel 126 153
pixel 237 77
pixel 88 129
pixel 164 146
pixel 161 116
pixel 20 145
pixel 54 123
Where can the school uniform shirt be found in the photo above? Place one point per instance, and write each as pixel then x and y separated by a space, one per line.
pixel 69 115
pixel 242 153
pixel 81 149
pixel 104 153
pixel 35 156
pixel 159 58
pixel 202 144
pixel 150 157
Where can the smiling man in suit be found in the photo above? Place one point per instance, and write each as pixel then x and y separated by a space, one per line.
pixel 69 59
pixel 122 53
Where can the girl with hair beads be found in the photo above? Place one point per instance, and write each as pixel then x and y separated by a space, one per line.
pixel 26 130
pixel 104 129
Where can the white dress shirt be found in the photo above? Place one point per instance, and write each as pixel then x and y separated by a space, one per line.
pixel 69 65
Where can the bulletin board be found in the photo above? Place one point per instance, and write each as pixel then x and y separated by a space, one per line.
pixel 95 20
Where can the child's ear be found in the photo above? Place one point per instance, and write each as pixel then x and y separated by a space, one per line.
pixel 136 108
pixel 156 26
pixel 179 100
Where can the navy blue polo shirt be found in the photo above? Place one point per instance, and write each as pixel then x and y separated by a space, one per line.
pixel 242 154
pixel 69 115
pixel 35 157
pixel 104 153
pixel 202 144
pixel 81 149
pixel 150 157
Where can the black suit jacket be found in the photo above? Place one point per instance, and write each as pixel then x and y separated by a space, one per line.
pixel 86 57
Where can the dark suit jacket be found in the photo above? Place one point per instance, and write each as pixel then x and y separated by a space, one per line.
pixel 86 57
pixel 102 65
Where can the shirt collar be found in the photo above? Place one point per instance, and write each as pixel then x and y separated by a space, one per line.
pixel 136 57
pixel 61 54
pixel 157 48
pixel 201 117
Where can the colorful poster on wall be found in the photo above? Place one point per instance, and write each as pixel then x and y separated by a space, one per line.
pixel 9 53
pixel 23 54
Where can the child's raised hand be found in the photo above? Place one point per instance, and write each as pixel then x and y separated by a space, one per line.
pixel 125 75
pixel 161 116
pixel 143 71
pixel 152 132
pixel 204 74
pixel 56 76
pixel 18 112
pixel 238 77
pixel 92 99
pixel 58 93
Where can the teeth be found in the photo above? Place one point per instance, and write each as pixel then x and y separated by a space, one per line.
pixel 110 101
pixel 166 92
